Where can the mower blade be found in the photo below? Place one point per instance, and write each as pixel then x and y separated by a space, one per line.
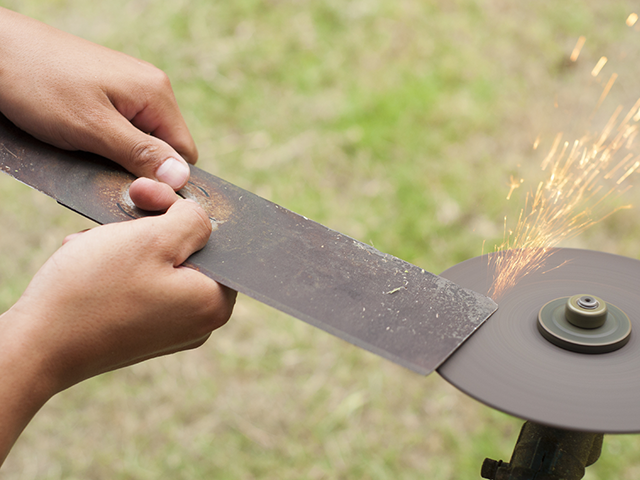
pixel 345 287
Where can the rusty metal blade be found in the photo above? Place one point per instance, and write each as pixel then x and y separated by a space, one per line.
pixel 347 288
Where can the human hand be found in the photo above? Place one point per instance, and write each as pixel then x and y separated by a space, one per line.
pixel 77 95
pixel 109 297
pixel 117 294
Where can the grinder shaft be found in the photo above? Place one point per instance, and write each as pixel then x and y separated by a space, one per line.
pixel 547 453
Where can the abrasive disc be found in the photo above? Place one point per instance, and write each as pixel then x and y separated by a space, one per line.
pixel 508 365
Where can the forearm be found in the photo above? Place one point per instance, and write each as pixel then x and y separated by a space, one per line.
pixel 25 385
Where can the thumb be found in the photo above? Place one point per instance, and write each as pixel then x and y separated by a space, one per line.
pixel 189 227
pixel 142 154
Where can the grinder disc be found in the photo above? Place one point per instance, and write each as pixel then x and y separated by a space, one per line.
pixel 508 365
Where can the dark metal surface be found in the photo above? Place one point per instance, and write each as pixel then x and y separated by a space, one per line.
pixel 345 287
pixel 510 366
pixel 547 453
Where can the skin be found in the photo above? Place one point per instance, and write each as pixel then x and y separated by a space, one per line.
pixel 117 294
pixel 78 95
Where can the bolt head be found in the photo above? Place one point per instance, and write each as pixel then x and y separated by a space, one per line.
pixel 586 311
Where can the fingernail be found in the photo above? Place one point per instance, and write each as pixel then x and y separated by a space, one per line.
pixel 173 172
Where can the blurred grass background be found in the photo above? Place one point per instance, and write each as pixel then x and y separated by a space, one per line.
pixel 397 122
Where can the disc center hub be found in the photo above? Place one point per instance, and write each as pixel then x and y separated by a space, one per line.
pixel 587 302
pixel 584 323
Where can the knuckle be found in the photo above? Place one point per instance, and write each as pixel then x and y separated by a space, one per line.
pixel 161 78
pixel 201 224
pixel 158 81
pixel 226 304
pixel 216 305
pixel 144 155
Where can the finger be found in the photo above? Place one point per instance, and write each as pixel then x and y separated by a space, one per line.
pixel 147 156
pixel 189 228
pixel 162 118
pixel 211 303
pixel 150 195
pixel 151 106
pixel 214 303
pixel 143 155
pixel 70 237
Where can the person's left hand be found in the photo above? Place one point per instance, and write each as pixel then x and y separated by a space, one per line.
pixel 77 95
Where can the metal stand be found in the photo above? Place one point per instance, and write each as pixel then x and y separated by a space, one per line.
pixel 546 453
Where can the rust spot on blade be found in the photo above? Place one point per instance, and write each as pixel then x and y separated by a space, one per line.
pixel 111 190
pixel 210 198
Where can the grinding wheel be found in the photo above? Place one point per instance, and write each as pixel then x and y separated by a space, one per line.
pixel 508 365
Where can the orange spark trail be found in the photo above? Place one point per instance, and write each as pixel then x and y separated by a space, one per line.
pixel 599 66
pixel 581 175
pixel 513 184
pixel 607 89
pixel 577 49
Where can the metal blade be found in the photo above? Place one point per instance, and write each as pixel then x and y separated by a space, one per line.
pixel 345 287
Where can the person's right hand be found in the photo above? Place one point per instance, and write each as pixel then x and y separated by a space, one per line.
pixel 77 95
pixel 109 297
pixel 117 294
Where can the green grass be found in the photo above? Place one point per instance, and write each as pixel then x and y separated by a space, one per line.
pixel 396 122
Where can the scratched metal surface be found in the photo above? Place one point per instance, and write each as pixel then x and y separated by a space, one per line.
pixel 345 287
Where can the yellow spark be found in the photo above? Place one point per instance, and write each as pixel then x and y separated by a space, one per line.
pixel 628 172
pixel 581 176
pixel 552 152
pixel 601 63
pixel 536 143
pixel 578 48
pixel 635 108
pixel 606 131
pixel 632 19
pixel 513 184
pixel 618 166
pixel 606 89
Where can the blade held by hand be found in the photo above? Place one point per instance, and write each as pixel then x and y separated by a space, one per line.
pixel 345 287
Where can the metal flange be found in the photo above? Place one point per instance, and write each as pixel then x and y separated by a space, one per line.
pixel 585 324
